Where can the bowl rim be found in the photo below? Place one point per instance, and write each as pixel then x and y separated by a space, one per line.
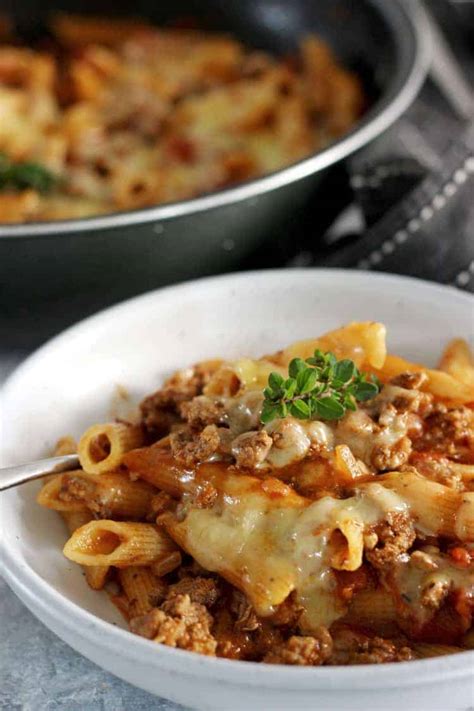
pixel 38 594
pixel 409 27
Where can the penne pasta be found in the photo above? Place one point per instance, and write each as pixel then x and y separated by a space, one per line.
pixel 464 525
pixel 157 466
pixel 52 492
pixel 345 464
pixel 468 639
pixel 113 495
pixel 142 588
pixel 102 447
pixel 458 361
pixel 96 575
pixel 440 384
pixel 65 445
pixel 106 495
pixel 79 30
pixel 363 342
pixel 158 96
pixel 76 519
pixel 244 374
pixel 117 543
pixel 374 608
pixel 465 471
pixel 166 564
pixel 424 651
pixel 438 509
pixel 347 552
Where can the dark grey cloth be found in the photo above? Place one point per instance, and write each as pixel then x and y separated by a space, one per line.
pixel 413 189
pixel 420 217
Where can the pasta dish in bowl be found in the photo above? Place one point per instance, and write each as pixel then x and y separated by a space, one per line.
pixel 314 506
pixel 200 578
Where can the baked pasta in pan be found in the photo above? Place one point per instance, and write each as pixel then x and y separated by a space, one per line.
pixel 112 115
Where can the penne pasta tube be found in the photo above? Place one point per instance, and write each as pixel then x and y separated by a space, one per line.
pixel 76 519
pixel 349 549
pixel 458 361
pixel 107 495
pixel 362 342
pixel 225 382
pixel 440 384
pixel 345 465
pixel 96 575
pixel 166 564
pixel 65 445
pixel 142 588
pixel 113 495
pixel 424 651
pixel 464 525
pixel 372 607
pixel 434 507
pixel 465 471
pixel 245 374
pixel 157 466
pixel 77 29
pixel 468 639
pixel 52 491
pixel 107 542
pixel 102 447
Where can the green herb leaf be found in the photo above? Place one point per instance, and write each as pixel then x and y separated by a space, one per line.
pixel 269 412
pixel 349 402
pixel 307 380
pixel 320 386
pixel 290 388
pixel 344 370
pixel 376 381
pixel 276 381
pixel 296 365
pixel 329 409
pixel 300 409
pixel 366 391
pixel 19 176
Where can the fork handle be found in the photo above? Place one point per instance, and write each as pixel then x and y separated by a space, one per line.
pixel 13 476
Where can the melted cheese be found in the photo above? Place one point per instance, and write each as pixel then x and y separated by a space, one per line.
pixel 290 442
pixel 412 582
pixel 293 439
pixel 268 541
pixel 243 412
pixel 362 435
pixel 253 374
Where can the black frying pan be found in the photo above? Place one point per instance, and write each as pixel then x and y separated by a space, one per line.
pixel 129 252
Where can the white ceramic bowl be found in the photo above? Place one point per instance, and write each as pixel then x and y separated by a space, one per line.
pixel 70 383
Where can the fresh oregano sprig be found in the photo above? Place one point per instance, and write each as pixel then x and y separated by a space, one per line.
pixel 320 387
pixel 19 176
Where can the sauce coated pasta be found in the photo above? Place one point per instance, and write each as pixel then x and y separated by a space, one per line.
pixel 314 506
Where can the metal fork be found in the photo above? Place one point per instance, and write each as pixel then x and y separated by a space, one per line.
pixel 13 476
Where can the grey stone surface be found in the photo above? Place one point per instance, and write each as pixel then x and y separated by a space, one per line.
pixel 38 672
